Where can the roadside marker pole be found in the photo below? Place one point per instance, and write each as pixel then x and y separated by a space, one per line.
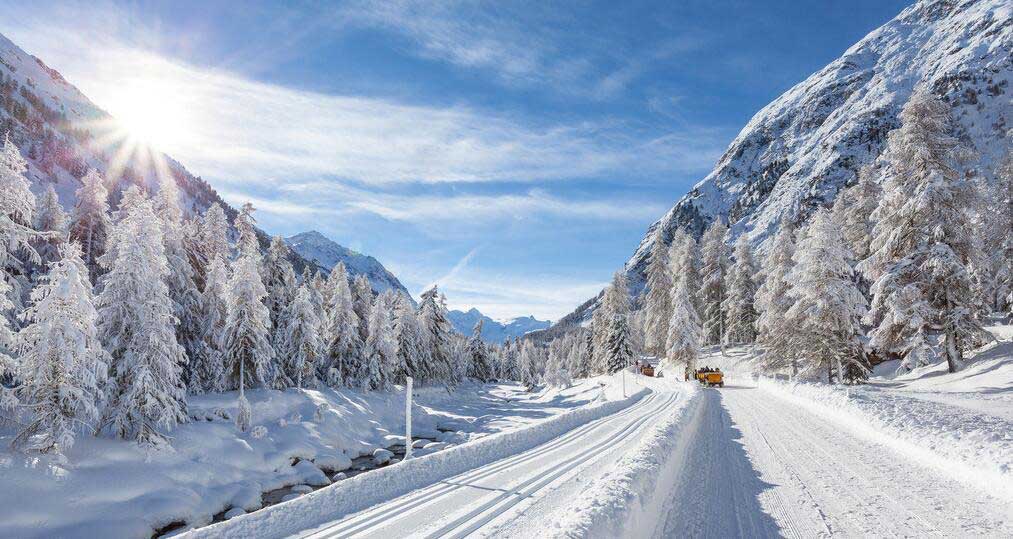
pixel 408 419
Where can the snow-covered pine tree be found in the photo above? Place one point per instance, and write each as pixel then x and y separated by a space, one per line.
pixel 51 220
pixel 772 302
pixel 684 262
pixel 411 347
pixel 248 351
pixel 89 223
pixel 739 310
pixel 713 286
pixel 208 361
pixel 685 334
pixel 853 213
pixel 436 331
pixel 998 239
pixel 480 367
pixel 17 220
pixel 619 352
pixel 527 362
pixel 214 234
pixel 362 302
pixel 279 280
pixel 344 348
pixel 615 302
pixel 246 228
pixel 828 307
pixel 658 305
pixel 923 241
pixel 460 358
pixel 302 346
pixel 182 289
pixel 136 325
pixel 379 349
pixel 557 371
pixel 62 362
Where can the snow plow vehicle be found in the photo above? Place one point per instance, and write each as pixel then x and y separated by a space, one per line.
pixel 710 377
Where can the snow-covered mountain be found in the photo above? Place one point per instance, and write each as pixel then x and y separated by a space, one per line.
pixel 494 331
pixel 800 150
pixel 326 253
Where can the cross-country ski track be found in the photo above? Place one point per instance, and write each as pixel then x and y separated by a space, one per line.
pixel 747 463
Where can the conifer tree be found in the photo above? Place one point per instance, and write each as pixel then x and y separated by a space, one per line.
pixel 825 317
pixel 740 312
pixel 773 302
pixel 684 262
pixel 62 363
pixel 344 348
pixel 17 220
pixel 615 303
pixel 214 234
pixel 302 345
pixel 246 228
pixel 436 331
pixel 208 361
pixel 182 288
pixel 89 223
pixel 922 242
pixel 480 367
pixel 362 302
pixel 411 346
pixel 685 334
pixel 279 280
pixel 998 239
pixel 658 304
pixel 379 349
pixel 713 286
pixel 527 361
pixel 136 324
pixel 853 213
pixel 248 351
pixel 51 221
pixel 557 371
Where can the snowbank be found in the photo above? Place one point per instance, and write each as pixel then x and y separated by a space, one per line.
pixel 620 503
pixel 111 488
pixel 366 490
pixel 969 446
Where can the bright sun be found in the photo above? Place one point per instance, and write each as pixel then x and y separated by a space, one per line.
pixel 150 114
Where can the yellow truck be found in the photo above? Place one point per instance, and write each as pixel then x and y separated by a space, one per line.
pixel 710 377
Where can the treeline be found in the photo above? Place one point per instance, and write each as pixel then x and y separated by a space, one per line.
pixel 111 319
pixel 902 266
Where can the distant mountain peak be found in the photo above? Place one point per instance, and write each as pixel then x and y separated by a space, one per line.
pixel 495 331
pixel 326 253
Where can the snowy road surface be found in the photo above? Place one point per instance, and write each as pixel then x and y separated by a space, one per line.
pixel 760 466
pixel 484 500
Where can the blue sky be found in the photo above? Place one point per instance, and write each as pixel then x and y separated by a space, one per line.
pixel 513 152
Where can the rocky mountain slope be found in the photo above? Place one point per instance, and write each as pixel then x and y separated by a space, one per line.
pixel 493 331
pixel 800 150
pixel 324 252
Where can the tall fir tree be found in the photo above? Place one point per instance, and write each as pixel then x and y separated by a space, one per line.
pixel 713 286
pixel 362 303
pixel 302 346
pixel 684 263
pixel 62 362
pixel 52 222
pixel 280 282
pixel 685 334
pixel 923 241
pixel 344 347
pixel 997 234
pixel 658 304
pixel 828 307
pixel 436 331
pixel 480 366
pixel 248 351
pixel 379 348
pixel 772 302
pixel 740 312
pixel 17 220
pixel 182 288
pixel 89 223
pixel 411 346
pixel 527 362
pixel 208 373
pixel 136 324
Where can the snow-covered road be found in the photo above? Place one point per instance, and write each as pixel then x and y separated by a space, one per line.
pixel 760 466
pixel 492 499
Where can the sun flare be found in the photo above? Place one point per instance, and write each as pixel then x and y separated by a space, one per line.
pixel 150 113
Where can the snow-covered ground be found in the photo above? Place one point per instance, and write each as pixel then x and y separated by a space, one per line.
pixel 110 488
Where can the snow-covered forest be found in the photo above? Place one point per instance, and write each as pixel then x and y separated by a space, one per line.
pixel 904 265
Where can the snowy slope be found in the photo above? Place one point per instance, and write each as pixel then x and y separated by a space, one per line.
pixel 494 331
pixel 800 150
pixel 326 253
